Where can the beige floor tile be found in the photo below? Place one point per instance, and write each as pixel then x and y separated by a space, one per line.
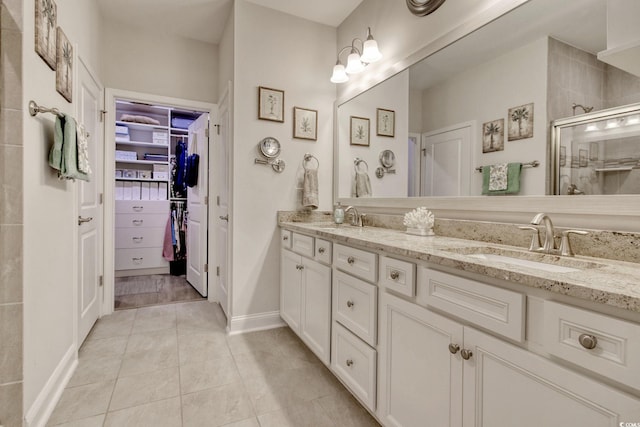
pixel 200 347
pixel 253 342
pixel 144 388
pixel 345 411
pixel 152 341
pixel 216 406
pixel 307 414
pixel 95 369
pixel 114 325
pixel 154 323
pixel 164 413
pixel 96 421
pixel 81 402
pixel 199 317
pixel 209 374
pixel 124 302
pixel 148 361
pixel 106 347
pixel 249 422
pixel 261 364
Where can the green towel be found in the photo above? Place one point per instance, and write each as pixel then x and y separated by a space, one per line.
pixel 513 180
pixel 64 154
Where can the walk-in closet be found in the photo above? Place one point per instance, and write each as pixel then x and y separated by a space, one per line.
pixel 160 197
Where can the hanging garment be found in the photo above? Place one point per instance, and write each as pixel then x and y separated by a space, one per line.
pixel 179 184
pixel 192 170
pixel 167 245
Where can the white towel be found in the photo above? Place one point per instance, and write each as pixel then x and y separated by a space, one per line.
pixel 310 189
pixel 362 184
pixel 498 177
pixel 83 149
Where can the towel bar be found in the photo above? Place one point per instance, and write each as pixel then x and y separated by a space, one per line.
pixel 34 109
pixel 533 164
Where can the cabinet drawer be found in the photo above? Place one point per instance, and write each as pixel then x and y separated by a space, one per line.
pixel 354 363
pixel 355 305
pixel 285 239
pixel 360 263
pixel 323 251
pixel 142 206
pixel 616 353
pixel 302 245
pixel 139 237
pixel 141 220
pixel 130 259
pixel 398 275
pixel 499 310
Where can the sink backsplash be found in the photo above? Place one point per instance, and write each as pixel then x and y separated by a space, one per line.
pixel 622 246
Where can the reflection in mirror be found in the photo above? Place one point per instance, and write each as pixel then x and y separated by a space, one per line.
pixel 488 99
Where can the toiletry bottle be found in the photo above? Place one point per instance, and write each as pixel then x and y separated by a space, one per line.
pixel 338 214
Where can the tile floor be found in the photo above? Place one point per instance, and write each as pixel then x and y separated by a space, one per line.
pixel 142 291
pixel 174 365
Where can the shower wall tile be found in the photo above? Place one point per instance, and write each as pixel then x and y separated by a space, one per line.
pixel 11 65
pixel 10 184
pixel 11 339
pixel 10 127
pixel 10 264
pixel 11 15
pixel 11 404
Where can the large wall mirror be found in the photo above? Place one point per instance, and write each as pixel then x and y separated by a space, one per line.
pixel 486 99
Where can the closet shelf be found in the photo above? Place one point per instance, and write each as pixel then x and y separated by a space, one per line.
pixel 142 144
pixel 141 126
pixel 179 130
pixel 142 162
pixel 141 179
pixel 619 169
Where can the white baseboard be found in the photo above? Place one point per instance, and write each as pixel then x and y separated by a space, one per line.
pixel 39 413
pixel 255 322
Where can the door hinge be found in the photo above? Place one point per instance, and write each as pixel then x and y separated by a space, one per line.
pixel 206 132
pixel 102 113
pixel 206 200
pixel 101 198
pixel 100 280
pixel 206 268
pixel 424 151
pixel 218 271
pixel 217 129
pixel 217 200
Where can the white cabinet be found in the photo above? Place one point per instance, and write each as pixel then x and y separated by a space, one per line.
pixel 305 301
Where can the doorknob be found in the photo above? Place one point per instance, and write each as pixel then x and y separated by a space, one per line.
pixel 81 219
pixel 224 218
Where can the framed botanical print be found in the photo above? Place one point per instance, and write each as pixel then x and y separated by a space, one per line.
pixel 270 104
pixel 64 66
pixel 46 22
pixel 305 123
pixel 359 130
pixel 520 122
pixel 385 122
pixel 493 136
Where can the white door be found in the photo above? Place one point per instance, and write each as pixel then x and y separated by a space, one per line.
pixel 414 165
pixel 197 206
pixel 222 159
pixel 90 234
pixel 447 165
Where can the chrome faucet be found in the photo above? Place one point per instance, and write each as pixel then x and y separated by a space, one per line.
pixel 573 189
pixel 549 239
pixel 356 218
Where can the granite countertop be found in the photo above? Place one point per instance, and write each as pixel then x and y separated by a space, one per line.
pixel 603 281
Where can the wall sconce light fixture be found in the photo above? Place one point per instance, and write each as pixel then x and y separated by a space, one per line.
pixel 356 61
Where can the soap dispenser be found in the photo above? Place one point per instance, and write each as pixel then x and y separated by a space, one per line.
pixel 338 214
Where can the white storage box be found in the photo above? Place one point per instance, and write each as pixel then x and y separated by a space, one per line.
pixel 122 130
pixel 144 174
pixel 160 168
pixel 160 138
pixel 126 155
pixel 160 175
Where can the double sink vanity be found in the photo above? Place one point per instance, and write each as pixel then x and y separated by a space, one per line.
pixel 442 331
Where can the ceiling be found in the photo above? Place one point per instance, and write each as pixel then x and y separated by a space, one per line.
pixel 204 20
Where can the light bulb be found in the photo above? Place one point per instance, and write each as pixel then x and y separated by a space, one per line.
pixel 354 64
pixel 339 75
pixel 591 127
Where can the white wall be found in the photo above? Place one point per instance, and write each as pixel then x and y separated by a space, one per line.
pixel 280 51
pixel 49 204
pixel 226 53
pixel 393 94
pixel 485 93
pixel 159 64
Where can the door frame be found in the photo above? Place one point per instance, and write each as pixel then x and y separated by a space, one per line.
pixel 109 176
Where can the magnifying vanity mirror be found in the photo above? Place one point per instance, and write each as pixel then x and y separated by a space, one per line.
pixel 505 84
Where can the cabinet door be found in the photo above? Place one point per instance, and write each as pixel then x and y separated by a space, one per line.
pixel 290 289
pixel 316 308
pixel 420 379
pixel 505 385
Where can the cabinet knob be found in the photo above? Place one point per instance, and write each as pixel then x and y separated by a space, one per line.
pixel 137 221
pixel 285 238
pixel 466 354
pixel 321 250
pixel 137 261
pixel 394 274
pixel 138 208
pixel 454 348
pixel 350 303
pixel 588 341
pixel 351 260
pixel 349 362
pixel 137 239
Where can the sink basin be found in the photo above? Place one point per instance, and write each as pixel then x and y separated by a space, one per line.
pixel 538 261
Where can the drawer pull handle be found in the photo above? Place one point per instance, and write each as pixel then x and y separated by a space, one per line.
pixel 285 238
pixel 454 348
pixel 137 221
pixel 137 261
pixel 138 208
pixel 588 341
pixel 466 354
pixel 394 275
pixel 321 250
pixel 351 260
pixel 137 239
pixel 350 304
pixel 349 362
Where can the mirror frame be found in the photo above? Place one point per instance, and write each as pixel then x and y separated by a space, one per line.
pixel 599 212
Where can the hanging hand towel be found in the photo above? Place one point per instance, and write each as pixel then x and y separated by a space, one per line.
pixel 512 180
pixel 363 184
pixel 498 177
pixel 310 189
pixel 64 153
pixel 83 150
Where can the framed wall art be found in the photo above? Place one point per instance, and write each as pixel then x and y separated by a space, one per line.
pixel 493 136
pixel 270 104
pixel 64 66
pixel 521 122
pixel 359 130
pixel 583 158
pixel 46 22
pixel 385 122
pixel 305 123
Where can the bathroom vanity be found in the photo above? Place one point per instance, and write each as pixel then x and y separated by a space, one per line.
pixel 439 331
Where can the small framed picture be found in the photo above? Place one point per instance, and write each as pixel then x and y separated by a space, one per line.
pixel 46 22
pixel 270 104
pixel 305 123
pixel 493 136
pixel 386 122
pixel 359 131
pixel 583 158
pixel 563 155
pixel 64 66
pixel 521 122
pixel 574 162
